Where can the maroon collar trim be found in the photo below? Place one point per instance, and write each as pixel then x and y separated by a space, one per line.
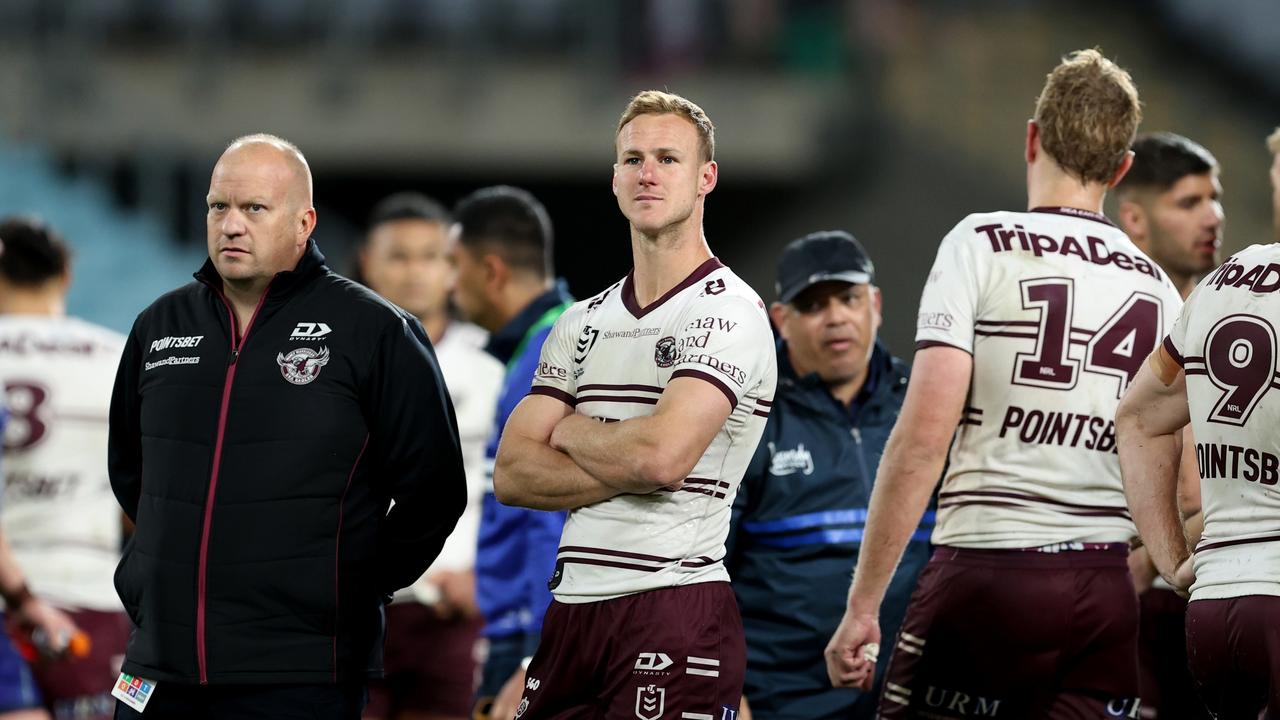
pixel 629 290
pixel 1075 212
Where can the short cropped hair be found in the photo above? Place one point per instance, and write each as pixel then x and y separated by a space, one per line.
pixel 1088 114
pixel 657 102
pixel 509 222
pixel 31 253
pixel 1273 142
pixel 408 206
pixel 1161 159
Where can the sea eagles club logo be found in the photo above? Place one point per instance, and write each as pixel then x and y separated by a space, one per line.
pixel 665 352
pixel 302 365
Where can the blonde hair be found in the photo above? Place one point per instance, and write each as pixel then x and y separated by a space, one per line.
pixel 657 102
pixel 1088 115
pixel 1273 141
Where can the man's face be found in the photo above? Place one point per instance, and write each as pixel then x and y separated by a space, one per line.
pixel 407 262
pixel 659 174
pixel 258 218
pixel 470 290
pixel 830 329
pixel 1184 225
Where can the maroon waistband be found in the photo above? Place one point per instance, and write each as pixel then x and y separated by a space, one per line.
pixel 1057 555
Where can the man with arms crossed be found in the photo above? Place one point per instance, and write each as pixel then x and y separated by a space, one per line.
pixel 1217 370
pixel 1031 325
pixel 1170 207
pixel 645 410
pixel 405 258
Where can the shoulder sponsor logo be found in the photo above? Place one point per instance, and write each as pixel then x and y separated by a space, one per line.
pixel 532 683
pixel 788 462
pixel 547 371
pixel 934 321
pixel 665 352
pixel 586 341
pixel 713 287
pixel 524 705
pixel 176 341
pixel 302 365
pixel 653 661
pixel 731 372
pixel 310 331
pixel 650 702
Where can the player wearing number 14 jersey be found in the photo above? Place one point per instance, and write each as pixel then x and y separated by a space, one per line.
pixel 1218 369
pixel 1030 327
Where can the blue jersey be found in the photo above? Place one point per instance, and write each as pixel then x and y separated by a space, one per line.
pixel 516 551
pixel 797 527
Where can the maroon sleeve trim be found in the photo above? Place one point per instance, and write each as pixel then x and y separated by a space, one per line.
pixel 1173 351
pixel 556 393
pixel 717 382
pixel 922 344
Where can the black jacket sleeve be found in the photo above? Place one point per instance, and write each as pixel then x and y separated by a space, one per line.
pixel 415 437
pixel 124 442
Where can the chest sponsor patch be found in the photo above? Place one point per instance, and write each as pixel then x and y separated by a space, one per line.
pixel 788 462
pixel 302 365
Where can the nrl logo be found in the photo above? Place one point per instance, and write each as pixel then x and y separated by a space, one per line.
pixel 586 340
pixel 302 365
pixel 650 702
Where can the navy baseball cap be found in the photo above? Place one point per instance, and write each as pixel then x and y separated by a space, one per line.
pixel 821 257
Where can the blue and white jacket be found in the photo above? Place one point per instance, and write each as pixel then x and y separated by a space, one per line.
pixel 516 551
pixel 796 531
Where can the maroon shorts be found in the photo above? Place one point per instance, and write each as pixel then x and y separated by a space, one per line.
pixel 1011 634
pixel 1233 647
pixel 80 688
pixel 1167 688
pixel 672 653
pixel 429 664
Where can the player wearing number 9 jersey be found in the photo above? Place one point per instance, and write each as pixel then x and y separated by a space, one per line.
pixel 1218 369
pixel 1031 325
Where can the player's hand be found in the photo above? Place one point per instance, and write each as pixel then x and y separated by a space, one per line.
pixel 36 614
pixel 744 710
pixel 1142 569
pixel 1184 577
pixel 851 655
pixel 508 699
pixel 457 593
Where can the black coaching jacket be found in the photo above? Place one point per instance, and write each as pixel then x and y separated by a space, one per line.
pixel 260 469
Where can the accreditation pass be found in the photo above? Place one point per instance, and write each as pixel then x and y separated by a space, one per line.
pixel 133 691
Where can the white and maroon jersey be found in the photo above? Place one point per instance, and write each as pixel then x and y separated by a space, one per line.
pixel 1225 341
pixel 1059 310
pixel 59 514
pixel 474 378
pixel 611 359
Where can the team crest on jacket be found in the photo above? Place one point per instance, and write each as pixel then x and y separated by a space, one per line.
pixel 302 365
pixel 665 353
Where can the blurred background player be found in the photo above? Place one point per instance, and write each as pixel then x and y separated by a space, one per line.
pixel 1170 205
pixel 1031 325
pixel 646 408
pixel 506 285
pixel 1216 369
pixel 433 625
pixel 59 514
pixel 798 518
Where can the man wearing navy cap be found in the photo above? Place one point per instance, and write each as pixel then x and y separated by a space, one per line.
pixel 797 522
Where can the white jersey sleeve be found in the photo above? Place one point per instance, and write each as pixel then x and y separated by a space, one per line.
pixel 569 338
pixel 721 343
pixel 949 303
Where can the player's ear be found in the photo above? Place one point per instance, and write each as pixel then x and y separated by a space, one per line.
pixel 1133 219
pixel 1120 171
pixel 496 272
pixel 1033 138
pixel 710 175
